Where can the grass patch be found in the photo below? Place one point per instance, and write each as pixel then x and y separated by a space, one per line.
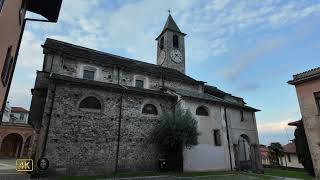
pixel 148 173
pixel 287 173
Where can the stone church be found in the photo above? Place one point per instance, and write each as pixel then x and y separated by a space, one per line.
pixel 93 111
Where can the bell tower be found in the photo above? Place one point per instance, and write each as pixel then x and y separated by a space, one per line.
pixel 171 49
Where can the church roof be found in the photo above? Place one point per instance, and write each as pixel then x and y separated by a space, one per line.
pixel 170 25
pixel 211 98
pixel 103 58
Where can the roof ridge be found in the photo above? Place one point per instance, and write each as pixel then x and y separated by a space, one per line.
pixel 307 73
pixel 137 62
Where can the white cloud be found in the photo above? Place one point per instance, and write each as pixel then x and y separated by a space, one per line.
pixel 30 54
pixel 276 127
pixel 247 59
pixel 131 28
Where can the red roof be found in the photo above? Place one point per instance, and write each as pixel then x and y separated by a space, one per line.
pixel 263 151
pixel 289 148
pixel 18 110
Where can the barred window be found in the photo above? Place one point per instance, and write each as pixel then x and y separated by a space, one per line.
pixel 90 103
pixel 6 70
pixel 317 99
pixel 161 43
pixel 175 41
pixel 150 109
pixel 202 111
pixel 139 83
pixel 241 114
pixel 87 74
pixel 217 137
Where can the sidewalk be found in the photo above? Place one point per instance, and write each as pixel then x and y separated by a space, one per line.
pixel 8 170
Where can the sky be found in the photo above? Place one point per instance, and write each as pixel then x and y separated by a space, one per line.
pixel 247 48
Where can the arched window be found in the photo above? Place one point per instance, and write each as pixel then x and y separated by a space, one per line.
pixel 161 42
pixel 150 109
pixel 175 41
pixel 202 111
pixel 90 103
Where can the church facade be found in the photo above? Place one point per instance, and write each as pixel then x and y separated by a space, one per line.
pixel 93 112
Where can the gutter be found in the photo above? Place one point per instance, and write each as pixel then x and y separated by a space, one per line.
pixel 228 137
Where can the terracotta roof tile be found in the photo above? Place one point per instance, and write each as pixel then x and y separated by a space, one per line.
pixel 18 109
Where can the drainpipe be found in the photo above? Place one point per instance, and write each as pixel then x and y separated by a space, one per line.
pixel 15 61
pixel 119 132
pixel 119 124
pixel 228 137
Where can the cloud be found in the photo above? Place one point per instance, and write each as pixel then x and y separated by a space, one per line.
pixel 250 57
pixel 275 127
pixel 250 86
pixel 30 54
pixel 129 28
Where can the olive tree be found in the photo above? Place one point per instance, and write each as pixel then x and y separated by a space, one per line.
pixel 177 130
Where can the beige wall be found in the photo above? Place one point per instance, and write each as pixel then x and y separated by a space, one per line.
pixel 9 34
pixel 311 118
pixel 293 163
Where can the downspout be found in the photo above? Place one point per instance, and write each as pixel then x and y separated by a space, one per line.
pixel 49 120
pixel 119 133
pixel 228 137
pixel 119 123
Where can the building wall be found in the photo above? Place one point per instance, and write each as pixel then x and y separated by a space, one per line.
pixel 293 163
pixel 311 118
pixel 206 155
pixel 10 24
pixel 84 142
pixel 6 114
pixel 73 68
pixel 21 117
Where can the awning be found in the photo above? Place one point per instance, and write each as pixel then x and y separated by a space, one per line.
pixel 49 9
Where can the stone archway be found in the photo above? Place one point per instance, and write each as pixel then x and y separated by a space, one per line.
pixel 11 145
pixel 244 152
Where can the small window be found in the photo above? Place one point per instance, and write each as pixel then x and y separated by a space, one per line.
pixel 217 137
pixel 21 117
pixel 175 41
pixel 289 158
pixel 90 103
pixel 88 74
pixel 1 5
pixel 139 83
pixel 202 111
pixel 150 109
pixel 161 43
pixel 241 114
pixel 317 98
pixel 6 70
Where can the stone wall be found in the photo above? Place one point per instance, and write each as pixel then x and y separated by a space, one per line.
pixel 84 142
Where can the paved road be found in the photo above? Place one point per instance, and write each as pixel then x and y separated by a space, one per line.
pixel 8 170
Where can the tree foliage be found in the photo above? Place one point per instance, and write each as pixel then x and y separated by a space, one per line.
pixel 302 149
pixel 275 152
pixel 176 129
